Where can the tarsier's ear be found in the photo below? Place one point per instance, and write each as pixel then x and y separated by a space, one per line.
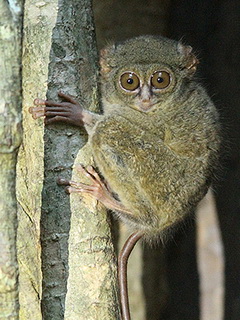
pixel 104 60
pixel 190 61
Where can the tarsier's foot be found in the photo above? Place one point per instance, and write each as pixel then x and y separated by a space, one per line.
pixel 68 112
pixel 97 189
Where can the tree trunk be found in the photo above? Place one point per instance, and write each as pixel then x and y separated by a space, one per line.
pixel 10 138
pixel 60 54
pixel 210 260
pixel 92 290
pixel 39 21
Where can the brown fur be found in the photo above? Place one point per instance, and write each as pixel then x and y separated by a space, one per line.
pixel 159 162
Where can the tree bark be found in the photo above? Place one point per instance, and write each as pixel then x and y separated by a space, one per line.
pixel 92 288
pixel 60 54
pixel 10 138
pixel 39 21
pixel 210 260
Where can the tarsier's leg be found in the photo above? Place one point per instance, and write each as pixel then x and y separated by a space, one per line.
pixel 99 191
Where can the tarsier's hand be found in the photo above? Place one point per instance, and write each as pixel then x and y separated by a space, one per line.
pixel 69 112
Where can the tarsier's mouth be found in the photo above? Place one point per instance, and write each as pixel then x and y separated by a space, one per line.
pixel 145 106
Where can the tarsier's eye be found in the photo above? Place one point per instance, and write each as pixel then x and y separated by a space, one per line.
pixel 129 81
pixel 160 79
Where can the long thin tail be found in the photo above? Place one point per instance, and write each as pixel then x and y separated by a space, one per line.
pixel 122 272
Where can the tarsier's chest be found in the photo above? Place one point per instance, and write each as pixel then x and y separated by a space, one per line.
pixel 153 159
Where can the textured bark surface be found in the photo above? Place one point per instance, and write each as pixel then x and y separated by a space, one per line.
pixel 92 287
pixel 210 260
pixel 10 138
pixel 59 54
pixel 39 21
pixel 72 69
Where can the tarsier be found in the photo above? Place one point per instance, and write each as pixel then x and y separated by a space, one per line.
pixel 156 143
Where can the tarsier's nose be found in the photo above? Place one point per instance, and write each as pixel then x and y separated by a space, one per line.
pixel 145 94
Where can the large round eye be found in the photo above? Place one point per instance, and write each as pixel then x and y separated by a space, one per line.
pixel 129 81
pixel 160 79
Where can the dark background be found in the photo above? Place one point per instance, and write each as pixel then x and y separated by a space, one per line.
pixel 212 28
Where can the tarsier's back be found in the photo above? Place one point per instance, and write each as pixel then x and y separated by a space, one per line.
pixel 158 141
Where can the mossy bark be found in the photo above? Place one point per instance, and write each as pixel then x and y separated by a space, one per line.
pixel 10 138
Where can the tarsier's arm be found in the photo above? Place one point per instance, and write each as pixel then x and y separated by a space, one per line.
pixel 69 112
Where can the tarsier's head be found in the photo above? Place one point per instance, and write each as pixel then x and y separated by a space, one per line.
pixel 145 71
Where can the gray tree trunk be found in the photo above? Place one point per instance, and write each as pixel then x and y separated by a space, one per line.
pixel 60 54
pixel 10 138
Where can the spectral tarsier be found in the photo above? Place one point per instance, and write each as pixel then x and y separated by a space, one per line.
pixel 156 143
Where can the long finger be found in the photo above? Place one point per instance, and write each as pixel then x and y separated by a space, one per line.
pixel 42 102
pixel 94 173
pixel 37 112
pixel 67 97
pixel 85 172
pixel 60 108
pixel 57 119
pixel 71 189
pixel 56 113
pixel 81 186
pixel 36 109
